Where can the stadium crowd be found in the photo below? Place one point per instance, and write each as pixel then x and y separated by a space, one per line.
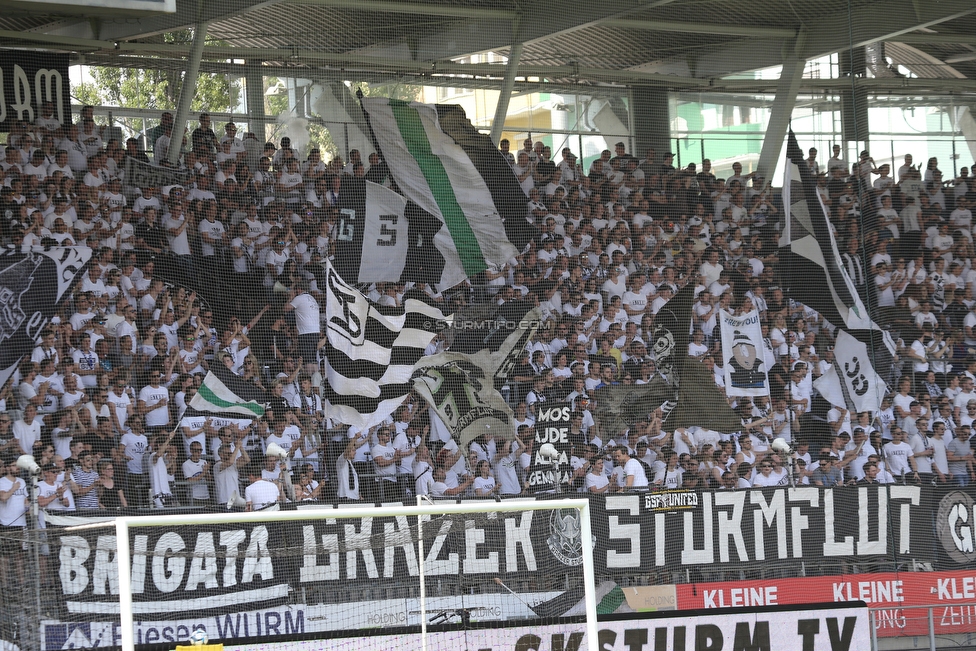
pixel 219 270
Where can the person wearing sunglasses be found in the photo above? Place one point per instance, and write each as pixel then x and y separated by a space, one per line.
pixel 765 476
pixel 826 474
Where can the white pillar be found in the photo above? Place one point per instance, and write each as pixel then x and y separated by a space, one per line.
pixel 501 109
pixel 779 116
pixel 254 79
pixel 187 91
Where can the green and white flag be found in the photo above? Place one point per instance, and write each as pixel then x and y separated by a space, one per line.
pixel 438 174
pixel 214 396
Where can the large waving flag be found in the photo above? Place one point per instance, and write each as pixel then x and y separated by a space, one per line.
pixel 814 251
pixel 373 242
pixel 33 283
pixel 852 381
pixel 461 388
pixel 810 259
pixel 371 350
pixel 437 172
pixel 683 389
pixel 222 392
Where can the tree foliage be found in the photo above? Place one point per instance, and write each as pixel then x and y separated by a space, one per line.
pixel 154 89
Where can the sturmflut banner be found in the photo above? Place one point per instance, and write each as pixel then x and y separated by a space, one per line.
pixel 743 357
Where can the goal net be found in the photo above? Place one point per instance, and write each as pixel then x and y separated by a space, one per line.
pixel 432 576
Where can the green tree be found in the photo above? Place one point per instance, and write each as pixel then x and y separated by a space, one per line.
pixel 154 88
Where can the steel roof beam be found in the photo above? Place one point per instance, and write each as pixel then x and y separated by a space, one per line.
pixel 700 28
pixel 935 39
pixel 419 8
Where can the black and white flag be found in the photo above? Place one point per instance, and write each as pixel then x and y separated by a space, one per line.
pixel 33 282
pixel 814 271
pixel 464 202
pixel 744 361
pixel 852 381
pixel 461 388
pixel 371 351
pixel 372 240
pixel 811 260
pixel 141 175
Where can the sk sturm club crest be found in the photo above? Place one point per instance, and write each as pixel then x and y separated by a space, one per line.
pixel 564 540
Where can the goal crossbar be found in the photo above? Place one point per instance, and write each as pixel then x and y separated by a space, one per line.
pixel 124 559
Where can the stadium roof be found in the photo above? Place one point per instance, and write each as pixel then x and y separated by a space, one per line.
pixel 695 45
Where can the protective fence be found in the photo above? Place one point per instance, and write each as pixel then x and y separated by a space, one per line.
pixel 893 547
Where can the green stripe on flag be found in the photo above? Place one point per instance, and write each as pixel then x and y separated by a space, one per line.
pixel 610 602
pixel 415 136
pixel 204 391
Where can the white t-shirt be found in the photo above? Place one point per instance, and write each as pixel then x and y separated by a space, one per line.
pixel 213 230
pixel 423 480
pixel 159 477
pixel 27 434
pixel 596 481
pixel 896 457
pixel 45 489
pixel 198 489
pixel 484 485
pixel 13 512
pixel 506 472
pixel 159 416
pixel 634 467
pixel 178 244
pixel 120 403
pixel 226 479
pixel 387 452
pixel 261 494
pixel 136 446
pixel 306 314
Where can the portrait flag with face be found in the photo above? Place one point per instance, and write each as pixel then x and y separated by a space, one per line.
pixel 672 330
pixel 742 355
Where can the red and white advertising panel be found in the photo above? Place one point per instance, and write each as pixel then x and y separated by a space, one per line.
pixel 902 597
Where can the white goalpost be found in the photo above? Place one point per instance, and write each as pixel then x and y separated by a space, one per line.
pixel 421 528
